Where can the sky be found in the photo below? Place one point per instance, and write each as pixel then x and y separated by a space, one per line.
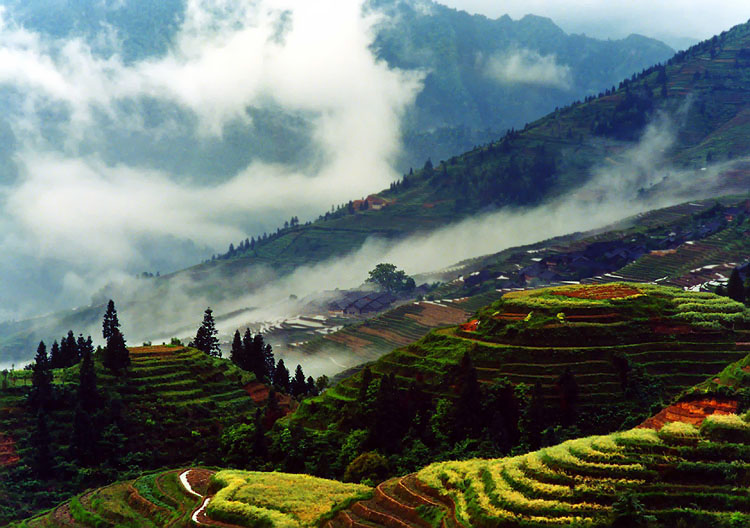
pixel 675 22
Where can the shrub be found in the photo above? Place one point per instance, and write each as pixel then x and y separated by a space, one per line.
pixel 726 428
pixel 370 465
pixel 679 433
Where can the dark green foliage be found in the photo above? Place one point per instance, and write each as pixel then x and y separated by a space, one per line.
pixel 367 466
pixel 736 288
pixel 568 388
pixel 205 338
pixel 298 385
pixel 88 395
pixel 281 376
pixel 388 278
pixel 628 512
pixel 468 417
pixel 110 321
pixel 41 455
pixel 84 438
pixel 116 356
pixel 40 396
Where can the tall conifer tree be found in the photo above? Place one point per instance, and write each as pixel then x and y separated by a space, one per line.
pixel 110 321
pixel 41 380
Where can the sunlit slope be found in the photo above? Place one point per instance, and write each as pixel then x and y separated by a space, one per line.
pixel 614 339
pixel 681 475
pixel 190 497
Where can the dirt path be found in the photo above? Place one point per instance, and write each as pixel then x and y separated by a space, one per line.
pixel 194 480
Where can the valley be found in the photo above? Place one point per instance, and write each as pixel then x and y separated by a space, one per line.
pixel 545 323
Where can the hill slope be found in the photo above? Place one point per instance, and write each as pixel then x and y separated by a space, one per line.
pixel 704 89
pixel 680 475
pixel 627 346
pixel 170 408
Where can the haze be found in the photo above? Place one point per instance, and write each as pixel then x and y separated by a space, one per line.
pixel 679 24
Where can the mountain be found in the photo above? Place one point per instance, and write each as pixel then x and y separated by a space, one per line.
pixel 485 76
pixel 467 99
pixel 701 90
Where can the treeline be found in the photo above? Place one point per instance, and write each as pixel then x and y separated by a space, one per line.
pixel 253 354
pixel 97 435
pixel 252 243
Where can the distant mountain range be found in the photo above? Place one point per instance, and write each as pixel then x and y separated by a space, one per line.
pixel 482 77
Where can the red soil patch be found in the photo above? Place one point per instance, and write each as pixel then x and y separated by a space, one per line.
pixel 199 480
pixel 511 317
pixel 161 350
pixel 471 326
pixel 599 292
pixel 259 394
pixel 8 455
pixel 692 412
pixel 663 252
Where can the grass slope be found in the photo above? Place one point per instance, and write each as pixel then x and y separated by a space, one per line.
pixel 682 476
pixel 174 401
pixel 236 499
pixel 613 338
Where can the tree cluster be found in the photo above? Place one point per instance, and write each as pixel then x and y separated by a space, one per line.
pixel 253 354
pixel 70 350
pixel 388 278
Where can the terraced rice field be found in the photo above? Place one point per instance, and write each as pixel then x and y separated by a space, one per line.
pixel 610 337
pixel 677 473
pixel 190 497
pixel 676 266
pixel 153 501
pixel 181 377
pixel 402 325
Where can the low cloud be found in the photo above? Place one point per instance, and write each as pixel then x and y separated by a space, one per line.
pixel 525 66
pixel 80 210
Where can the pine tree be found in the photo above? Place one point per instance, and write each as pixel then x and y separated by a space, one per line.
pixel 69 350
pixel 259 438
pixel 735 288
pixel 84 437
pixel 311 389
pixel 110 321
pixel 299 385
pixel 281 376
pixel 205 338
pixel 40 442
pixel 270 365
pixel 41 380
pixel 256 360
pixel 116 355
pixel 55 360
pixel 468 417
pixel 366 380
pixel 237 355
pixel 88 396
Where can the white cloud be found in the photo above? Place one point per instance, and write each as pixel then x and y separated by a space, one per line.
pixel 525 66
pixel 310 59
